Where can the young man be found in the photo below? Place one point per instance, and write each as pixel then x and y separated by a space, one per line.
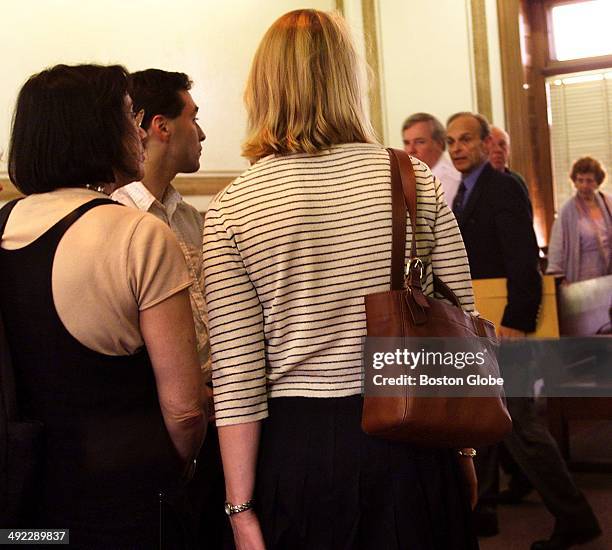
pixel 173 145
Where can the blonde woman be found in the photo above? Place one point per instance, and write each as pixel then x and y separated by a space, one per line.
pixel 292 246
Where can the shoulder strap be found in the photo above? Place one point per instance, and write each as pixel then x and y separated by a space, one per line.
pixel 63 225
pixel 403 185
pixel 5 212
pixel 8 402
pixel 7 383
pixel 403 196
pixel 398 240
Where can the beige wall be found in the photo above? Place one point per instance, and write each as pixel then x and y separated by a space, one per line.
pixel 427 60
pixel 424 51
pixel 211 41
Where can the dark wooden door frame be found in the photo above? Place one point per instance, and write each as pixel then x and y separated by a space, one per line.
pixel 526 62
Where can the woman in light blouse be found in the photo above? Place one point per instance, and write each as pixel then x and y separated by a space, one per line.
pixel 581 241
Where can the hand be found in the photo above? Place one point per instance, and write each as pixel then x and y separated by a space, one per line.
pixel 469 473
pixel 247 532
pixel 506 332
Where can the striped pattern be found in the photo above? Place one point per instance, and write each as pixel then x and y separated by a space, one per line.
pixel 290 249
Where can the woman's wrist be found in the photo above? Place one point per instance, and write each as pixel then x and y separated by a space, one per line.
pixel 243 518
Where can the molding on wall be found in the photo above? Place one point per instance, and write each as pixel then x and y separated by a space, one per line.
pixel 370 31
pixel 202 185
pixel 8 190
pixel 513 78
pixel 340 6
pixel 480 46
pixel 187 185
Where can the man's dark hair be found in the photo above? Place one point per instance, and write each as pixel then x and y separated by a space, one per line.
pixel 485 127
pixel 438 133
pixel 70 128
pixel 157 92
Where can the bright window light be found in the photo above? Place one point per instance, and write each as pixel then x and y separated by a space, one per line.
pixel 582 29
pixel 583 78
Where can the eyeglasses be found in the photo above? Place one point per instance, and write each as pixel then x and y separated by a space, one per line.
pixel 138 117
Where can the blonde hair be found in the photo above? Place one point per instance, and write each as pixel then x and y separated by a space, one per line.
pixel 305 91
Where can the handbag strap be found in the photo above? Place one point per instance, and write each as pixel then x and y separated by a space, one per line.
pixel 403 183
pixel 398 207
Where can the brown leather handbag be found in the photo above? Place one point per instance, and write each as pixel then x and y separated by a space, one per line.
pixel 405 311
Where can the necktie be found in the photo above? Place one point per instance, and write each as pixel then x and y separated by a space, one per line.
pixel 458 201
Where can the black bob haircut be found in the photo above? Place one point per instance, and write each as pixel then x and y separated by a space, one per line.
pixel 70 128
pixel 157 92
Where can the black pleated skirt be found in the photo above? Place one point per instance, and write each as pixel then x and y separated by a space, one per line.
pixel 322 484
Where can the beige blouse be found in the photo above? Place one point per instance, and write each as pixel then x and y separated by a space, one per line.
pixel 111 264
pixel 186 224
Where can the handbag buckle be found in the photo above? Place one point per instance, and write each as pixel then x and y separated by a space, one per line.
pixel 417 264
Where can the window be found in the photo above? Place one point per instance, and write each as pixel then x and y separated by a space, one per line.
pixel 580 120
pixel 581 29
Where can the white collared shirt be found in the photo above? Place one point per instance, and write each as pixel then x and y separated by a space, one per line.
pixel 186 223
pixel 449 177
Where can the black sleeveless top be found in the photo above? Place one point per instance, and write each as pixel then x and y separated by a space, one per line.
pixel 108 454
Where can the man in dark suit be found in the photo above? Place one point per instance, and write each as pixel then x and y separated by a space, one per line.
pixel 494 216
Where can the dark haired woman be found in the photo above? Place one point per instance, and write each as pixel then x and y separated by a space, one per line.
pixel 581 240
pixel 95 304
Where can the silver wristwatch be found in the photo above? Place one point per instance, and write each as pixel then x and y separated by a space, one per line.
pixel 231 509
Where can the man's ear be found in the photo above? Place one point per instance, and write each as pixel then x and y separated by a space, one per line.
pixel 159 128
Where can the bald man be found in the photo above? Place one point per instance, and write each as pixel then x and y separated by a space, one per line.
pixel 493 214
pixel 499 155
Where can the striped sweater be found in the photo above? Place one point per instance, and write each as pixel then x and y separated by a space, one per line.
pixel 291 248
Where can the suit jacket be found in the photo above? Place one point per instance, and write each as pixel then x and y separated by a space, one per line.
pixel 524 187
pixel 497 230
